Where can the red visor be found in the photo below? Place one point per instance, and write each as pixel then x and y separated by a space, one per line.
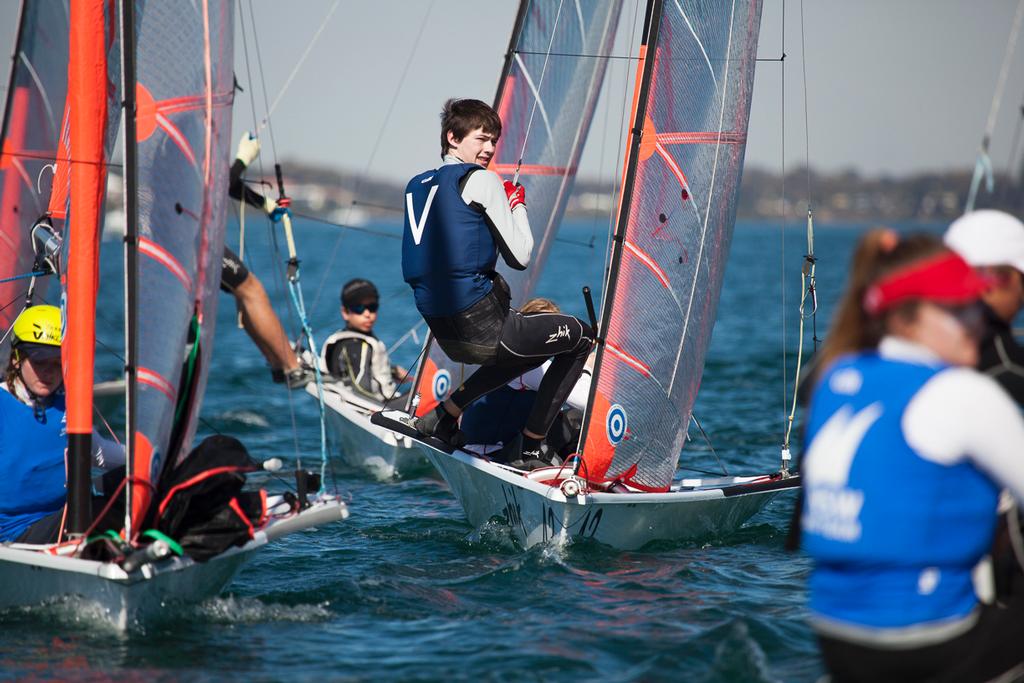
pixel 945 279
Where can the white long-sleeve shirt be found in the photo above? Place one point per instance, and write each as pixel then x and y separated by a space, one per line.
pixel 960 414
pixel 531 380
pixel 510 229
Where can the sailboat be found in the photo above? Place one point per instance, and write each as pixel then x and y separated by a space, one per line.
pixel 555 142
pixel 683 161
pixel 176 75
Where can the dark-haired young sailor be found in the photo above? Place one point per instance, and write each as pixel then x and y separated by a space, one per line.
pixel 258 317
pixel 354 354
pixel 907 448
pixel 459 218
pixel 993 242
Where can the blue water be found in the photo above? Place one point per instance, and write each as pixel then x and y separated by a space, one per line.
pixel 398 592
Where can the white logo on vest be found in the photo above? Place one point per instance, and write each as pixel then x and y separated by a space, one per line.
pixel 833 509
pixel 414 225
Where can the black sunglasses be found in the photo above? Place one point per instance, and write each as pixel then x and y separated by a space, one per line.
pixel 359 308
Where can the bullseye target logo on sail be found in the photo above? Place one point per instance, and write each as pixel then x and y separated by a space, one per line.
pixel 616 424
pixel 442 385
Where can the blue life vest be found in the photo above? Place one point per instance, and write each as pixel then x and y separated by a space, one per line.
pixel 447 247
pixel 497 416
pixel 894 536
pixel 33 480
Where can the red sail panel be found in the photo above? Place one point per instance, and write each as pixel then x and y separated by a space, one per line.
pixel 87 76
pixel 29 138
pixel 675 227
pixel 565 93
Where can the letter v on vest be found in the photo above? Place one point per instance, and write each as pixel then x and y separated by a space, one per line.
pixel 417 225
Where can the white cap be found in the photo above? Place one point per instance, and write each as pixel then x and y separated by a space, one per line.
pixel 988 238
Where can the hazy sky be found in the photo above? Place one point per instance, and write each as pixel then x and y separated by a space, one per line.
pixel 894 86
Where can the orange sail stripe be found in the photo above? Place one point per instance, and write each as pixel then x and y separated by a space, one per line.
pixel 153 379
pixel 208 119
pixel 532 169
pixel 12 145
pixel 503 106
pixel 676 171
pixel 649 262
pixel 158 253
pixel 61 183
pixel 629 360
pixel 702 138
pixel 177 136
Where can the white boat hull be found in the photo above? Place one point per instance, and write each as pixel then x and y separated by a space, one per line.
pixel 540 513
pixel 30 577
pixel 364 445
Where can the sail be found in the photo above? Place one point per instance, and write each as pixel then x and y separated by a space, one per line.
pixel 565 92
pixel 184 92
pixel 678 207
pixel 29 139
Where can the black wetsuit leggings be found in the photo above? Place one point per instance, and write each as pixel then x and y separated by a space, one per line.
pixel 526 342
pixel 990 649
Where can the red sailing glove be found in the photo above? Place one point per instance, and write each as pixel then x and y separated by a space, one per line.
pixel 516 195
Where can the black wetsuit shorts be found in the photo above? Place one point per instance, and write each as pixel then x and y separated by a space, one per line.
pixel 233 272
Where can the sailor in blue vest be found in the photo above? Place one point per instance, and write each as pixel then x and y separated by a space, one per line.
pixel 33 437
pixel 907 449
pixel 459 218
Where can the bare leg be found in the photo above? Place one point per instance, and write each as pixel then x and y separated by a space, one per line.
pixel 263 325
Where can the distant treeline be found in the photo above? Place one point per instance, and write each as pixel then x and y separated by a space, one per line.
pixel 344 197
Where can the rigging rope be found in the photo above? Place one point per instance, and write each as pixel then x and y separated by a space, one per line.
pixel 983 165
pixel 536 95
pixel 808 283
pixel 294 286
pixel 1015 145
pixel 273 235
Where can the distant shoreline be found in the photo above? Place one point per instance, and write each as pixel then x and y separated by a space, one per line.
pixel 846 197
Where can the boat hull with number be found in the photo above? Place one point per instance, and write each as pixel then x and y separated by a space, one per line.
pixel 536 508
pixel 539 512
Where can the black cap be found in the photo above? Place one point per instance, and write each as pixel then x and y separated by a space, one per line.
pixel 357 292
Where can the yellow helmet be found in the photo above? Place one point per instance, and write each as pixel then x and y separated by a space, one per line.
pixel 38 325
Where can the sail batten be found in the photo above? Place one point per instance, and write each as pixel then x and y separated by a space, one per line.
pixel 675 221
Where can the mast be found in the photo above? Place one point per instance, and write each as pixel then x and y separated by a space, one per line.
pixel 510 54
pixel 87 80
pixel 645 71
pixel 131 246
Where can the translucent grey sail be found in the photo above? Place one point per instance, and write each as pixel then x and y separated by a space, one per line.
pixel 675 228
pixel 185 91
